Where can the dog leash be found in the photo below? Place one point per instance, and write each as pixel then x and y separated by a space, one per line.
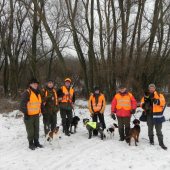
pixel 134 116
pixel 73 111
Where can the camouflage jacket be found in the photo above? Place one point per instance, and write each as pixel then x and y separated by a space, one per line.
pixel 50 105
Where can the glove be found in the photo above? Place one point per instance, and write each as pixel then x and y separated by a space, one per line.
pixel 113 116
pixel 26 117
pixel 133 111
pixel 155 101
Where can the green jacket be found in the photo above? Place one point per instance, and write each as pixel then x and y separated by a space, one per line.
pixel 50 105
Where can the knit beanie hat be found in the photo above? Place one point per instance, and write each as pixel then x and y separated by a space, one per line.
pixel 50 81
pixel 33 80
pixel 96 88
pixel 152 85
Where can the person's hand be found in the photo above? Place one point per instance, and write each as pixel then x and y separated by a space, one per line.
pixel 72 104
pixel 26 117
pixel 113 116
pixel 66 93
pixel 52 98
pixel 155 101
pixel 133 111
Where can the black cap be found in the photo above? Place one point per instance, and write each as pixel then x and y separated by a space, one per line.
pixel 34 80
pixel 96 88
pixel 122 86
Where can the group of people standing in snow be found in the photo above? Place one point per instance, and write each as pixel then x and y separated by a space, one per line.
pixel 48 102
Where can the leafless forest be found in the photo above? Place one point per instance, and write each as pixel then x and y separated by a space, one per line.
pixel 94 42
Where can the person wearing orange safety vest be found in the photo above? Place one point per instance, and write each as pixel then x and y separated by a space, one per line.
pixel 96 107
pixel 66 98
pixel 124 105
pixel 31 106
pixel 49 97
pixel 156 117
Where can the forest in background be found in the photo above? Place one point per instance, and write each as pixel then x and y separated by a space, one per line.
pixel 94 42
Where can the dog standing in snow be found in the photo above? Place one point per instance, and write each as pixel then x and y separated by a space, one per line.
pixel 134 132
pixel 109 133
pixel 52 136
pixel 90 126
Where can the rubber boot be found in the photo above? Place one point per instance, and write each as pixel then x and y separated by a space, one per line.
pixel 37 144
pixel 127 134
pixel 66 130
pixel 31 145
pixel 161 144
pixel 151 139
pixel 121 133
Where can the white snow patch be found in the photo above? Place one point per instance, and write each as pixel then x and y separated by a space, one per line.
pixel 77 151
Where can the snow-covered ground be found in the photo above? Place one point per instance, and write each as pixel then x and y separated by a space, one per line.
pixel 77 151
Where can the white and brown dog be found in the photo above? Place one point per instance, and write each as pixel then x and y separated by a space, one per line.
pixel 53 136
pixel 109 133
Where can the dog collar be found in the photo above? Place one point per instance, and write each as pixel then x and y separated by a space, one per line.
pixel 55 133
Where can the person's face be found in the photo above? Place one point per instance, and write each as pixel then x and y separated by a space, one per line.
pixel 50 84
pixel 67 83
pixel 34 85
pixel 152 89
pixel 97 91
pixel 122 90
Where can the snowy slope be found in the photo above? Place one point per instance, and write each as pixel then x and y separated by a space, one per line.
pixel 77 151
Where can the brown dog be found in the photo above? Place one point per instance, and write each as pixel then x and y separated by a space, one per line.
pixel 134 132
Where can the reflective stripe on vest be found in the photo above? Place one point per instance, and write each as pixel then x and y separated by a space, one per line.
pixel 97 107
pixel 34 104
pixel 66 98
pixel 55 94
pixel 124 101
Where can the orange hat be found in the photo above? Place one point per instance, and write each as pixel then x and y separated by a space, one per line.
pixel 67 79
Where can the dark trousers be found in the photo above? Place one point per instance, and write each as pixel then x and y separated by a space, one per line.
pixel 66 113
pixel 101 119
pixel 49 120
pixel 123 121
pixel 158 127
pixel 32 127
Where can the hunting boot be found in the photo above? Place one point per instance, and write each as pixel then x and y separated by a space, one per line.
pixel 37 144
pixel 127 134
pixel 66 130
pixel 151 140
pixel 121 133
pixel 161 144
pixel 31 145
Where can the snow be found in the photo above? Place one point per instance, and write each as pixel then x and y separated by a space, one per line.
pixel 77 151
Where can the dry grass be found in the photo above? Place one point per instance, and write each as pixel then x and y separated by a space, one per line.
pixel 7 105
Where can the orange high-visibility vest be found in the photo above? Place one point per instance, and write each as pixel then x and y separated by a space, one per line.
pixel 124 101
pixel 66 98
pixel 34 104
pixel 156 108
pixel 56 99
pixel 97 107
